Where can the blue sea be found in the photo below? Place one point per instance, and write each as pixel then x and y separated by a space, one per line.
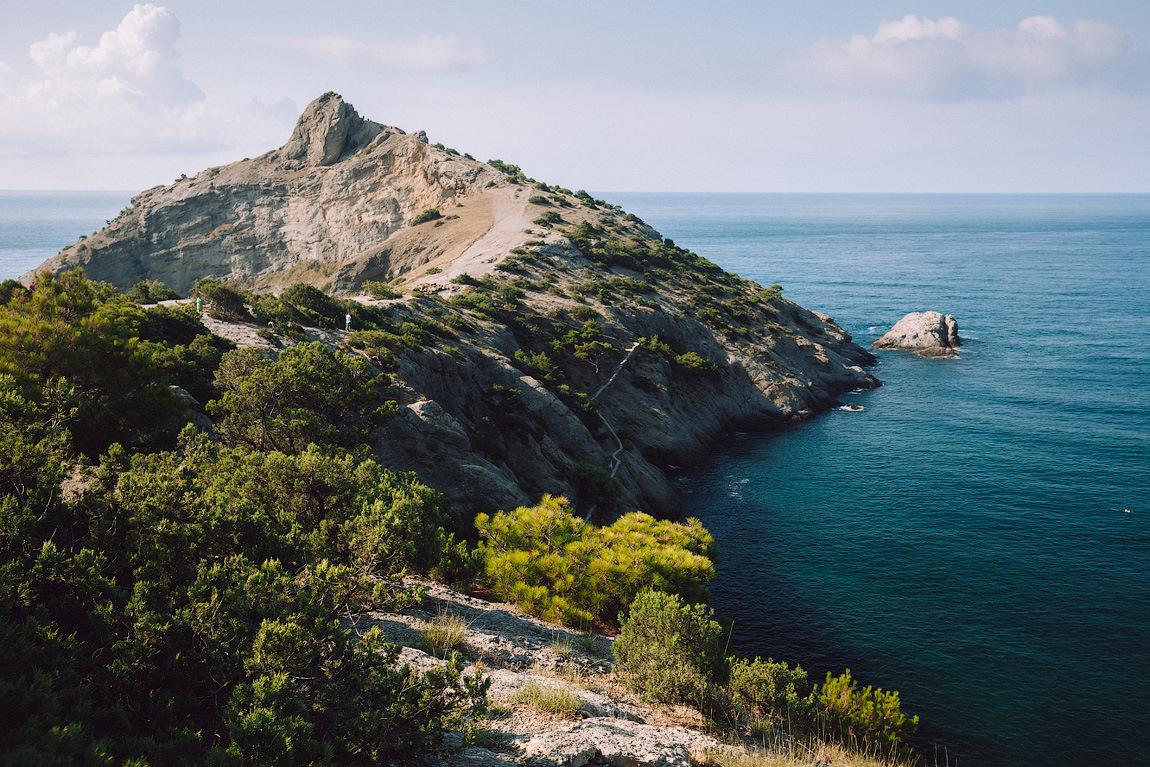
pixel 978 538
pixel 35 226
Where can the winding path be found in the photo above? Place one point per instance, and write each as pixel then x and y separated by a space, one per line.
pixel 615 460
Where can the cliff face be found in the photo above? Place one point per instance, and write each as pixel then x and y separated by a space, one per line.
pixel 545 329
pixel 333 194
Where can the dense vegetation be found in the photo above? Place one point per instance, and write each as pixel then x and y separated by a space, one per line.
pixel 675 652
pixel 167 599
pixel 192 606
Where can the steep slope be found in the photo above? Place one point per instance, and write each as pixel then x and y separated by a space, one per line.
pixel 331 197
pixel 541 333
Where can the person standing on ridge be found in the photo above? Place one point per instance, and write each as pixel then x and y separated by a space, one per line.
pixel 347 322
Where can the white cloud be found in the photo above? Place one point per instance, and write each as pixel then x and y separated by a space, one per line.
pixel 946 60
pixel 424 54
pixel 134 61
pixel 125 93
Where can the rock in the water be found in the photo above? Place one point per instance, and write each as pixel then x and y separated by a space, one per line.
pixel 928 334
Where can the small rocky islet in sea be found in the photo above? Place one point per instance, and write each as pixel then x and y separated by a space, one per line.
pixel 927 334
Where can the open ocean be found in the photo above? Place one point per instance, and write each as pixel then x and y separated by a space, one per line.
pixel 964 540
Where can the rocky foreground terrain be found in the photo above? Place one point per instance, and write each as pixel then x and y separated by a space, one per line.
pixel 601 723
pixel 536 330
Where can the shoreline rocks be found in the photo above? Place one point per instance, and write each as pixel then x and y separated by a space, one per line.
pixel 927 334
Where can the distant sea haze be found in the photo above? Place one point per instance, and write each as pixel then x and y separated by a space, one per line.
pixel 978 537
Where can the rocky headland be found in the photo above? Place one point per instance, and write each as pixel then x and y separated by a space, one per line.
pixel 541 329
pixel 927 334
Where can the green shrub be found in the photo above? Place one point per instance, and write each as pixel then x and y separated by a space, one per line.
pixel 696 364
pixel 151 292
pixel 773 293
pixel 202 621
pixel 540 366
pixel 548 219
pixel 594 484
pixel 671 652
pixel 547 561
pixel 380 290
pixel 868 715
pixel 513 172
pixel 773 692
pixel 78 341
pixel 584 313
pixel 10 290
pixel 317 307
pixel 221 301
pixel 310 394
pixel 428 215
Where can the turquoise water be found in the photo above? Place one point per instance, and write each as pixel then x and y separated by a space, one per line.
pixel 35 226
pixel 964 539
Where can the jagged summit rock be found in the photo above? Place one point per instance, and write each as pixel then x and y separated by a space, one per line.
pixel 332 207
pixel 928 334
pixel 328 129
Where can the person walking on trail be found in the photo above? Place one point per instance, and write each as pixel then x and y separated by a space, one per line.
pixel 347 322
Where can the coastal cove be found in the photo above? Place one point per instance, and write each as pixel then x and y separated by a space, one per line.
pixel 964 539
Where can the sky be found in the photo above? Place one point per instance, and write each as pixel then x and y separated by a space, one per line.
pixel 724 96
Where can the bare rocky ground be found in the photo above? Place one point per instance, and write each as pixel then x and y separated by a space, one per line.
pixel 612 726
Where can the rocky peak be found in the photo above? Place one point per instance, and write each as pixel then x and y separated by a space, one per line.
pixel 328 128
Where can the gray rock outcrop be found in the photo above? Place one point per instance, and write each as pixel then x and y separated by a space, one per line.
pixel 516 651
pixel 927 334
pixel 330 207
pixel 618 742
pixel 328 129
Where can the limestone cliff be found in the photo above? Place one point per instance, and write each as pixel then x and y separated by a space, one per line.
pixel 539 329
pixel 328 200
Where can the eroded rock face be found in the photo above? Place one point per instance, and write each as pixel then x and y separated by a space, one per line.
pixel 928 334
pixel 328 129
pixel 327 202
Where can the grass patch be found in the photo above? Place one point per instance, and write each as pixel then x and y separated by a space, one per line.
pixel 447 632
pixel 548 700
pixel 793 753
pixel 498 710
pixel 562 647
